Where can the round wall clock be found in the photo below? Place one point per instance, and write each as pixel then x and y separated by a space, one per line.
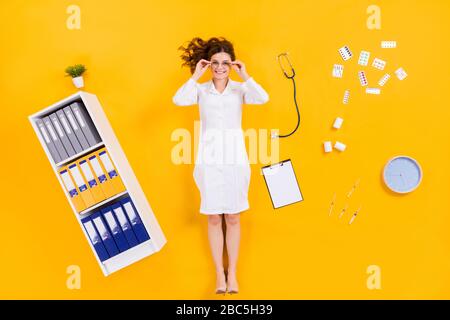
pixel 402 174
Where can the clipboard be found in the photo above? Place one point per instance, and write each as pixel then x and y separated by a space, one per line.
pixel 282 184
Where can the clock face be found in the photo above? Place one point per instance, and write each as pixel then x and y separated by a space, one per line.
pixel 402 174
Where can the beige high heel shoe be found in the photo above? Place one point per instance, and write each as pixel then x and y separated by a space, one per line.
pixel 232 290
pixel 222 289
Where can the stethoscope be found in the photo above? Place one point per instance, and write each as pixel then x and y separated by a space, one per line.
pixel 291 76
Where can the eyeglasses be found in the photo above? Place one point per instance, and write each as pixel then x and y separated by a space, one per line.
pixel 216 64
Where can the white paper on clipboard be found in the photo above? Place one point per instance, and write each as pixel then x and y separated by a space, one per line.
pixel 282 184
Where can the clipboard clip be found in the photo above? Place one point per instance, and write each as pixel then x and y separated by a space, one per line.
pixel 276 165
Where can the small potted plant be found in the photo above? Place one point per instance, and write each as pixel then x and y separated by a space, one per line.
pixel 76 72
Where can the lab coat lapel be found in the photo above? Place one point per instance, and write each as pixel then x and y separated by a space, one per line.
pixel 227 91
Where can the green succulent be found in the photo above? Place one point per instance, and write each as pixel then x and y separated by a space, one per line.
pixel 75 70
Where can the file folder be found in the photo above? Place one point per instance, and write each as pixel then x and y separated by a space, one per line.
pixel 105 183
pixel 124 224
pixel 135 220
pixel 76 128
pixel 62 135
pixel 71 189
pixel 93 184
pixel 69 132
pixel 81 185
pixel 105 235
pixel 115 229
pixel 95 239
pixel 49 142
pixel 113 175
pixel 85 122
pixel 58 144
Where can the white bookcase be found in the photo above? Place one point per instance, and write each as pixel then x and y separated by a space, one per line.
pixel 133 189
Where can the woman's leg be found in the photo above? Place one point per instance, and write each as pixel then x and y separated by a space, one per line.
pixel 215 235
pixel 233 237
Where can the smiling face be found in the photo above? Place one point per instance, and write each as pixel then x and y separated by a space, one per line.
pixel 220 65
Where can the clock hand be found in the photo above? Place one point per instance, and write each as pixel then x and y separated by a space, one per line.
pixel 403 179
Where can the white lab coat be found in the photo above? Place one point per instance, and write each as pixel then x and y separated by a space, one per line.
pixel 222 170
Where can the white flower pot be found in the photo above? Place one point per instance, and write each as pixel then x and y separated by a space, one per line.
pixel 78 82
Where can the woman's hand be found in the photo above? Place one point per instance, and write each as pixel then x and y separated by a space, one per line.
pixel 200 68
pixel 239 67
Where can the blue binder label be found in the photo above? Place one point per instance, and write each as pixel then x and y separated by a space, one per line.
pixel 112 174
pixel 73 193
pixel 92 183
pixel 88 173
pixel 97 169
pixel 68 183
pixel 76 174
pixel 104 157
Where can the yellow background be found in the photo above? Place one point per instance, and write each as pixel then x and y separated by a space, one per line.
pixel 130 49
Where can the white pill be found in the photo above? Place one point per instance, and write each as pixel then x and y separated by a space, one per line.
pixel 338 123
pixel 340 146
pixel 373 90
pixel 327 146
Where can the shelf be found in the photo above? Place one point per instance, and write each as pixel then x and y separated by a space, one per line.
pixel 79 155
pixel 118 158
pixel 86 211
pixel 129 256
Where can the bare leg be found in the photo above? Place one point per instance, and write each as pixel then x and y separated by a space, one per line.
pixel 233 237
pixel 215 235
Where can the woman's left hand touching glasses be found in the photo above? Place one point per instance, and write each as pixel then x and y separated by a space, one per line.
pixel 240 69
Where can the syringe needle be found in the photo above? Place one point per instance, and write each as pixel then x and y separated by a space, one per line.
pixel 343 211
pixel 332 205
pixel 355 185
pixel 354 215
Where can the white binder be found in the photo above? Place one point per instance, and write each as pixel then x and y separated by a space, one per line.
pixel 282 184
